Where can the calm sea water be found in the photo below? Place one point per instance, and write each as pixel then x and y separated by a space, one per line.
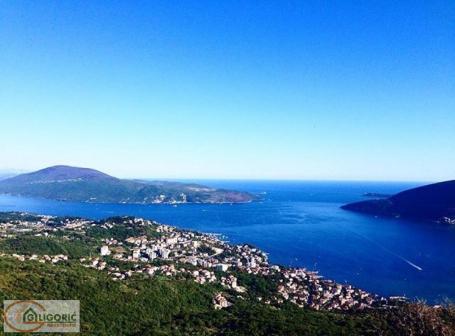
pixel 301 224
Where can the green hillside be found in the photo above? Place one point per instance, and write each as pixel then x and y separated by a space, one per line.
pixel 175 304
pixel 87 185
pixel 164 306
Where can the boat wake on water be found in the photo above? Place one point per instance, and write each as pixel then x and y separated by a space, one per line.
pixel 410 263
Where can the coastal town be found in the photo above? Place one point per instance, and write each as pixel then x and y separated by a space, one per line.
pixel 127 247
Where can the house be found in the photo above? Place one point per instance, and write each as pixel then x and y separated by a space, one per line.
pixel 164 253
pixel 136 253
pixel 221 267
pixel 105 250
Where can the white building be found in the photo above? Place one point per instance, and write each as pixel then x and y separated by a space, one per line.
pixel 171 241
pixel 164 253
pixel 150 253
pixel 221 267
pixel 105 250
pixel 136 253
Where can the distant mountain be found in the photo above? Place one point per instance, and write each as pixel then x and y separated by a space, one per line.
pixel 4 176
pixel 88 185
pixel 434 202
pixel 6 173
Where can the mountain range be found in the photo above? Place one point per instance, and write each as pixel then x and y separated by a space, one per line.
pixel 435 202
pixel 68 183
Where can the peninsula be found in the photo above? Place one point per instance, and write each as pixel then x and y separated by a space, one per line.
pixel 75 184
pixel 433 202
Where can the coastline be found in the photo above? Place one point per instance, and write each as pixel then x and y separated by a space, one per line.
pixel 141 253
pixel 317 236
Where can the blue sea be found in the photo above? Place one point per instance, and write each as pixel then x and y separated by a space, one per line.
pixel 301 224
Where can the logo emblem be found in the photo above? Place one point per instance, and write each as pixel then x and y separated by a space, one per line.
pixel 41 316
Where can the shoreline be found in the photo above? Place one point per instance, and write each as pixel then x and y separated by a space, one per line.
pixel 181 252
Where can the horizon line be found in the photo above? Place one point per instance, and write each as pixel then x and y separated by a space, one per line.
pixel 15 171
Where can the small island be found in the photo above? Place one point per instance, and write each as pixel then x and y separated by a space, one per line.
pixel 65 183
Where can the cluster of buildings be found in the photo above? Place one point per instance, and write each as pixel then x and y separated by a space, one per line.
pixel 230 281
pixel 204 258
pixel 308 289
pixel 54 259
pixel 220 301
pixel 159 199
pixel 448 220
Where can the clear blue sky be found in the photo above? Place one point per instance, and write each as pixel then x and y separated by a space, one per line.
pixel 230 89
